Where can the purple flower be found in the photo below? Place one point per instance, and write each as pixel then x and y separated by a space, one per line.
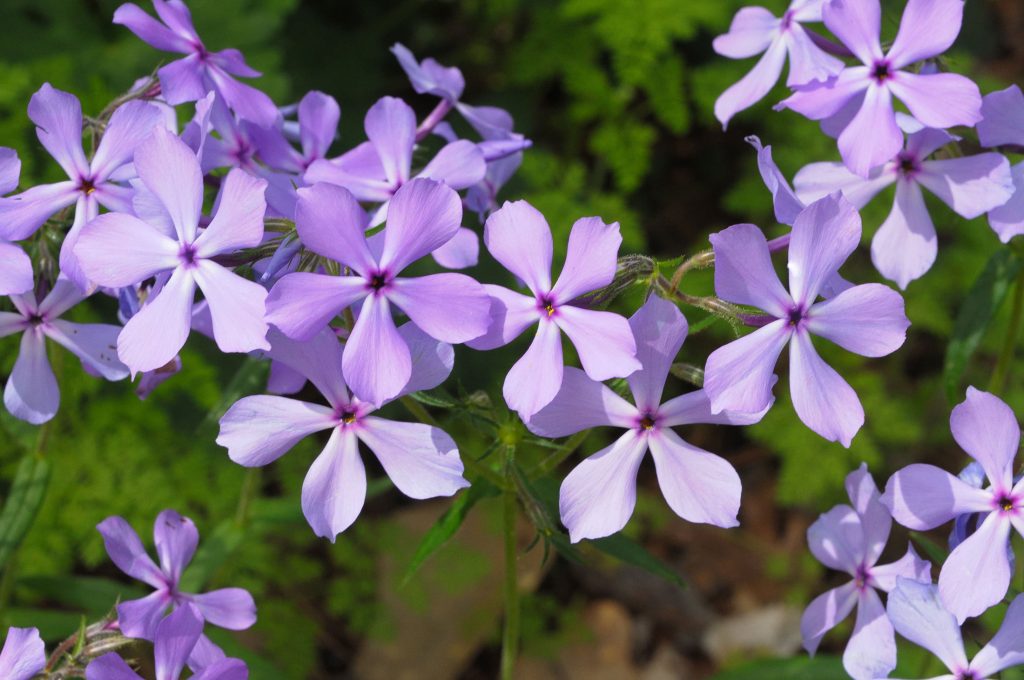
pixel 917 613
pixel 867 319
pixel 423 216
pixel 15 266
pixel 375 170
pixel 597 497
pixel 58 119
pixel 976 575
pixel 937 100
pixel 904 247
pixel 755 30
pixel 23 655
pixel 176 638
pixel 318 115
pixel 200 71
pixel 851 539
pixel 118 249
pixel 31 393
pixel 518 237
pixel 176 538
pixel 421 460
pixel 1003 123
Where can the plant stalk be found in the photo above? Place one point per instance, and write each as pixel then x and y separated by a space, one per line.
pixel 510 513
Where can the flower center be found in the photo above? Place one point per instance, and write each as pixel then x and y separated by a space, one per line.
pixel 86 186
pixel 907 164
pixel 647 422
pixel 881 71
pixel 795 316
pixel 348 417
pixel 1006 503
pixel 378 281
pixel 966 675
pixel 547 305
pixel 35 319
pixel 188 254
pixel 787 20
pixel 862 577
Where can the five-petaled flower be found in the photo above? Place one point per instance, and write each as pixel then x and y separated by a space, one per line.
pixel 23 655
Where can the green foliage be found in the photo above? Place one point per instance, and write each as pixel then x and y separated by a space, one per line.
pixel 818 668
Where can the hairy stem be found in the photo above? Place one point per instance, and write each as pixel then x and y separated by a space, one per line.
pixel 510 513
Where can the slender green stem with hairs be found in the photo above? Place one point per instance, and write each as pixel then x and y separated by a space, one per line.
pixel 510 513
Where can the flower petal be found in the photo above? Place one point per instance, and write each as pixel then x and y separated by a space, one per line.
pixel 986 428
pixel 976 575
pixel 904 247
pixel 237 307
pixel 875 519
pixel 153 337
pixel 970 185
pixel 421 460
pixel 118 250
pixel 752 87
pixel 109 666
pixel 825 612
pixel 698 485
pixel 459 164
pixel 231 608
pixel 536 378
pixel 181 81
pixel 127 553
pixel 170 170
pixel 822 399
pixel 317 360
pixel 872 137
pixel 819 101
pixel 938 100
pixel 787 205
pixel 591 259
pixel 597 497
pixel 871 651
pixel 422 217
pixel 176 635
pixel 149 30
pixel 927 29
pixel 510 314
pixel 659 329
pixel 518 237
pixel 58 118
pixel 15 270
pixel 246 101
pixel 238 222
pixel 260 429
pixel 867 319
pixel 94 343
pixel 695 407
pixel 429 301
pixel 825 234
pixel 318 115
pixel 331 223
pixel 335 486
pixel 922 497
pixel 376 361
pixel 432 360
pixel 739 376
pixel 1008 219
pixel 808 63
pixel 751 32
pixel 857 24
pixel 391 128
pixel 31 393
pixel 603 341
pixel 462 252
pixel 580 404
pixel 1003 118
pixel 836 539
pixel 130 124
pixel 139 618
pixel 917 613
pixel 884 576
pixel 176 539
pixel 23 214
pixel 1006 648
pixel 301 304
pixel 818 180
pixel 743 270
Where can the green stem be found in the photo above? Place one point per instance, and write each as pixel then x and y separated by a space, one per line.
pixel 250 487
pixel 1002 367
pixel 510 513
pixel 555 459
pixel 472 465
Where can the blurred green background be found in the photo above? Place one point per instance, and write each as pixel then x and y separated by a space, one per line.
pixel 617 97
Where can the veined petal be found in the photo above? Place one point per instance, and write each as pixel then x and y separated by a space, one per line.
pixel 1006 648
pixel 376 362
pixel 818 180
pixel 536 378
pixel 139 618
pixel 127 553
pixel 751 32
pixel 836 539
pixel 603 340
pixel 695 407
pixel 181 80
pixel 824 235
pixel 130 124
pixel 176 636
pixel 910 566
pixel 819 101
pixel 904 247
pixel 118 250
pixel 94 343
pixel 170 170
pixel 23 654
pixel 153 337
pixel 432 360
pixel 857 24
pixel 459 164
pixel 31 393
pixel 237 307
pixel 659 329
pixel 938 100
pixel 598 496
pixel 176 538
pixel 917 613
pixel 787 205
pixel 580 404
pixel 739 376
pixel 110 666
pixel 318 115
pixel 331 223
pixel 317 360
pixel 149 30
pixel 743 270
pixel 808 63
pixel 591 259
pixel 422 460
pixel 927 29
pixel 971 185
pixel 301 304
pixel 238 222
pixel 334 490
pixel 510 314
pixel 871 651
pixel 986 428
pixel 825 612
pixel 519 237
pixel 391 128
pixel 698 485
pixel 260 429
pixel 429 301
pixel 231 608
pixel 867 319
pixel 422 217
pixel 822 399
pixel 58 118
pixel 922 497
pixel 23 214
pixel 245 100
pixel 752 87
pixel 872 137
pixel 976 575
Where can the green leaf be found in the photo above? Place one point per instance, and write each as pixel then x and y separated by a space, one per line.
pixel 447 525
pixel 213 552
pixel 976 314
pixel 799 668
pixel 935 552
pixel 52 624
pixel 23 502
pixel 91 595
pixel 435 398
pixel 627 550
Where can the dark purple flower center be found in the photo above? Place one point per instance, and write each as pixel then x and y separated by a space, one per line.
pixel 378 281
pixel 907 164
pixel 967 675
pixel 862 577
pixel 348 417
pixel 787 20
pixel 1006 502
pixel 35 319
pixel 795 316
pixel 881 71
pixel 86 186
pixel 188 254
pixel 647 422
pixel 546 304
